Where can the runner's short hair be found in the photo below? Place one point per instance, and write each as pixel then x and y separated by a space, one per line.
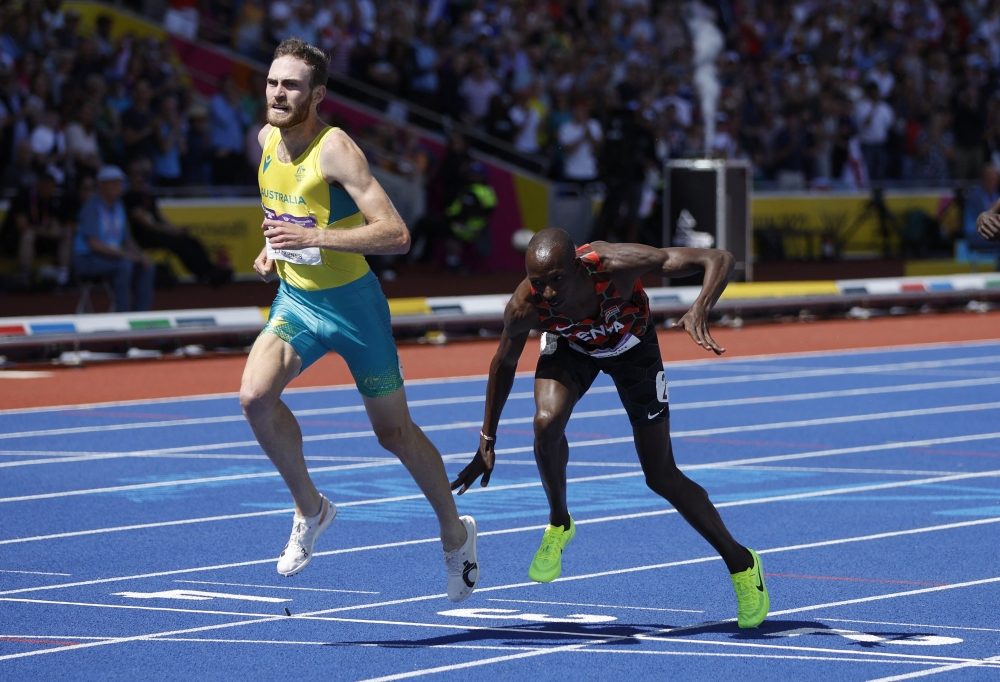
pixel 315 58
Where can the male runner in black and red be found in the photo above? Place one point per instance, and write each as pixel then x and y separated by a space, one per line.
pixel 574 296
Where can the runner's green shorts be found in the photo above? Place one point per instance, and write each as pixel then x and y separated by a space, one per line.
pixel 352 320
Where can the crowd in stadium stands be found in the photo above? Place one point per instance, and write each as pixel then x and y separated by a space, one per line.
pixel 74 106
pixel 814 93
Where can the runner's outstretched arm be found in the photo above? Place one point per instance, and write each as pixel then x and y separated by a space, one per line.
pixel 519 319
pixel 628 262
pixel 385 233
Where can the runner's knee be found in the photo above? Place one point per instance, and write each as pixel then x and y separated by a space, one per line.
pixel 393 438
pixel 549 424
pixel 669 482
pixel 255 400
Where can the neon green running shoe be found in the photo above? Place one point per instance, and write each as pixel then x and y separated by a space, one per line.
pixel 547 564
pixel 751 594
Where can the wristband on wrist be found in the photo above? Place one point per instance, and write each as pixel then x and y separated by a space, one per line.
pixel 488 439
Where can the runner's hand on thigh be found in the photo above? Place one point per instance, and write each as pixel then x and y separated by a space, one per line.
pixel 481 465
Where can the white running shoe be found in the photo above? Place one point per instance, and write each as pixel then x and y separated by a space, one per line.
pixel 463 568
pixel 305 529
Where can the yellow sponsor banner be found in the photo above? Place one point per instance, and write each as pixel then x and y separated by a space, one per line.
pixel 409 306
pixel 804 221
pixel 229 229
pixel 745 290
pixel 532 202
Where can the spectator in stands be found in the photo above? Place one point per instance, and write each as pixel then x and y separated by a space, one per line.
pixel 303 23
pixel 935 150
pixel 81 140
pixel 35 225
pixel 874 119
pixel 103 246
pixel 478 89
pixel 151 230
pixel 497 122
pixel 627 151
pixel 969 132
pixel 171 141
pixel 424 83
pixel 580 138
pixel 139 123
pixel 66 35
pixel 981 198
pixel 228 124
pixel 526 120
pixel 793 152
pixel 48 143
pixel 20 172
pixel 248 33
pixel 469 220
pixel 197 159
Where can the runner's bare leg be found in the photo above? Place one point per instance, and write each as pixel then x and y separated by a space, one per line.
pixel 272 364
pixel 396 432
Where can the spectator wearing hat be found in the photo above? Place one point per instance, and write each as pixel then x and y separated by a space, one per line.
pixel 103 246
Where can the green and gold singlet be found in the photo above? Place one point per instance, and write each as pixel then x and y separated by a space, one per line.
pixel 296 192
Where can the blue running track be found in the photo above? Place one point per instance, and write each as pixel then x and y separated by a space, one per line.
pixel 138 540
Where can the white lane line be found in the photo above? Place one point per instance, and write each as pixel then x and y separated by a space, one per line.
pixel 411 599
pixel 473 647
pixel 481 662
pixel 400 498
pixel 784 657
pixel 928 659
pixel 824 543
pixel 897 414
pixel 924 659
pixel 935 671
pixel 880 597
pixel 231 395
pixel 33 572
pixel 275 587
pixel 606 413
pixel 796 397
pixel 908 625
pixel 15 374
pixel 682 364
pixel 712 465
pixel 788 548
pixel 269 474
pixel 832 470
pixel 602 606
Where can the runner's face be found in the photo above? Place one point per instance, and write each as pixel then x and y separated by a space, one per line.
pixel 554 282
pixel 289 97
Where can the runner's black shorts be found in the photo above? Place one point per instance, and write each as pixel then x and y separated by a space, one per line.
pixel 637 373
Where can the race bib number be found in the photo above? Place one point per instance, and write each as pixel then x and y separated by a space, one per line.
pixel 309 256
pixel 662 392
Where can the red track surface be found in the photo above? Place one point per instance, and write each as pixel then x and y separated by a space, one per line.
pixel 170 378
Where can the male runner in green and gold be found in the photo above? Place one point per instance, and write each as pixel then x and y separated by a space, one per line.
pixel 590 304
pixel 323 210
